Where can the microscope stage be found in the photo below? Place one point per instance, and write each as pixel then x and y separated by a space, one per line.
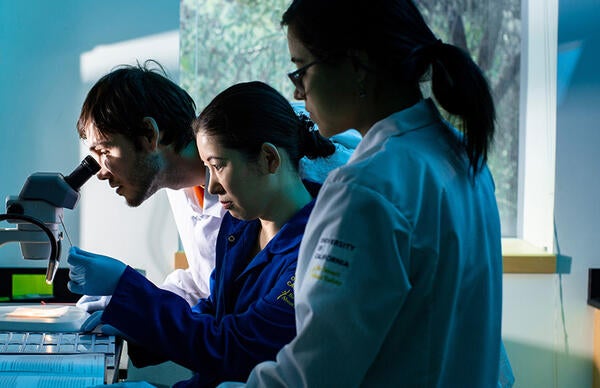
pixel 41 318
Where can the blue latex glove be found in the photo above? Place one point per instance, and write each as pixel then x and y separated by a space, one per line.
pixel 94 323
pixel 93 274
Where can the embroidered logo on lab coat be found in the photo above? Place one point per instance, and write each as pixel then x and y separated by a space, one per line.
pixel 329 261
pixel 287 295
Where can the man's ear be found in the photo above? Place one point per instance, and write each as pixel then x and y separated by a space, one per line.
pixel 270 157
pixel 151 137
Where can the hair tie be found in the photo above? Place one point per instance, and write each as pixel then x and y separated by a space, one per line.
pixel 305 122
pixel 309 135
pixel 427 50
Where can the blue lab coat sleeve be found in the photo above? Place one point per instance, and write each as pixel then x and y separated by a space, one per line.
pixel 197 341
pixel 246 320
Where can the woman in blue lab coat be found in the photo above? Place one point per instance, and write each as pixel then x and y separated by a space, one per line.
pixel 251 141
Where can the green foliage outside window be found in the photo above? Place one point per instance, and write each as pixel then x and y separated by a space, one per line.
pixel 228 41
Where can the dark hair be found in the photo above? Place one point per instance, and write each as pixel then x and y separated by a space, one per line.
pixel 246 115
pixel 396 38
pixel 119 101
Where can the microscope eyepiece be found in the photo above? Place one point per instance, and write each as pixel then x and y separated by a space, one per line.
pixel 83 172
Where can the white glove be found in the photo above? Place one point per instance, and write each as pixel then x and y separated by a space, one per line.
pixel 92 303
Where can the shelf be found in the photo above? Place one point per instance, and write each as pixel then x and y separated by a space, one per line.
pixel 520 256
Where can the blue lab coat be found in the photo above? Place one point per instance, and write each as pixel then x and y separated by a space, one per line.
pixel 247 319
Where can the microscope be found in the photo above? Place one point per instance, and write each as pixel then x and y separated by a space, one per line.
pixel 38 210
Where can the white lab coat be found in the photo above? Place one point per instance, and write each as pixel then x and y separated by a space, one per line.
pixel 198 229
pixel 399 280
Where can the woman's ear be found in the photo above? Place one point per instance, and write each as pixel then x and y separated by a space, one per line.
pixel 361 65
pixel 270 157
pixel 151 137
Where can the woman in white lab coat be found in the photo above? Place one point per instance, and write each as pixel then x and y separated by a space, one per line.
pixel 400 268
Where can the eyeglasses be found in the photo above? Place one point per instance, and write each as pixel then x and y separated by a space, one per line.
pixel 296 76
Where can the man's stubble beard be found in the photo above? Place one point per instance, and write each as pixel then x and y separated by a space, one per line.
pixel 145 180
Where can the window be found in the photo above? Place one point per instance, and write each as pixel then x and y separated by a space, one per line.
pixel 537 148
pixel 490 30
pixel 227 42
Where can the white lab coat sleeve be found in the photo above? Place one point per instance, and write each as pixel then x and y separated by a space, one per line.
pixel 351 283
pixel 182 283
pixel 198 232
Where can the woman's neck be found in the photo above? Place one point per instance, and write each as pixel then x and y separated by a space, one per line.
pixel 284 206
pixel 385 100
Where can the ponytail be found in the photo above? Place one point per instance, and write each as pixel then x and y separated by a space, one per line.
pixel 460 87
pixel 312 144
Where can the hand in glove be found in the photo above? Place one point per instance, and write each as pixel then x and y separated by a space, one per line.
pixel 93 274
pixel 94 324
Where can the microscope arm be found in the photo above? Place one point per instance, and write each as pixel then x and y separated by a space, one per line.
pixel 14 235
pixel 26 237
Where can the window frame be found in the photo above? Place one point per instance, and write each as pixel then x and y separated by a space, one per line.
pixel 537 129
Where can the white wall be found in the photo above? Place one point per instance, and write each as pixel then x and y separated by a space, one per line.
pixel 42 87
pixel 547 324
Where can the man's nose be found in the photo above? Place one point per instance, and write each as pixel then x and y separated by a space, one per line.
pixel 103 174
